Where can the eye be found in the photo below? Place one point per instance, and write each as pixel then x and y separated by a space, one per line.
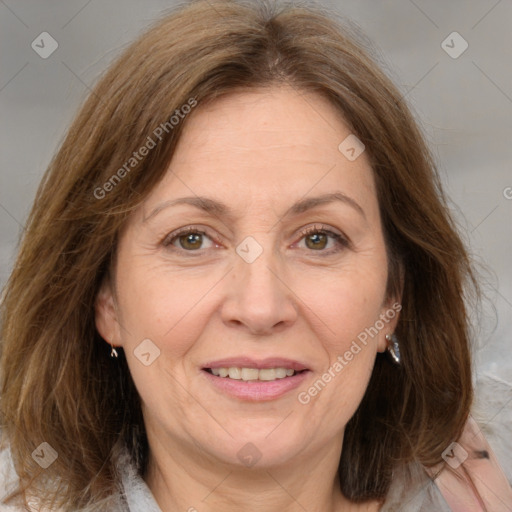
pixel 317 238
pixel 189 239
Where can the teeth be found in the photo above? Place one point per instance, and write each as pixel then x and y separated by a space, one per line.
pixel 248 373
pixel 253 373
pixel 235 373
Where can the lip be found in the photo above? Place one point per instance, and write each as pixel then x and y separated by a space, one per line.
pixel 255 390
pixel 249 362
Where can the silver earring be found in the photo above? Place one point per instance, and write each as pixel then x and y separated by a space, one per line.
pixel 393 347
pixel 113 352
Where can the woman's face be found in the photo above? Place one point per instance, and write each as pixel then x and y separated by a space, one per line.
pixel 284 267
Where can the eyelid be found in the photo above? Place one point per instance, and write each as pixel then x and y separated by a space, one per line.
pixel 339 236
pixel 166 242
pixel 313 228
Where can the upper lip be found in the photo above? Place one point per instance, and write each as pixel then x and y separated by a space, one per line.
pixel 249 362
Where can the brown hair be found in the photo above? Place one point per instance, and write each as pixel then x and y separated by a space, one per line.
pixel 58 383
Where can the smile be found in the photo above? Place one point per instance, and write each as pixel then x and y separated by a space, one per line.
pixel 248 374
pixel 267 384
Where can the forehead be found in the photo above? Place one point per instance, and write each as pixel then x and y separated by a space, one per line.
pixel 251 146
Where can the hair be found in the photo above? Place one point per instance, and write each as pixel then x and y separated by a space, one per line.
pixel 58 383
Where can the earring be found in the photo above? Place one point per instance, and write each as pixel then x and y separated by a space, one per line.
pixel 393 347
pixel 113 352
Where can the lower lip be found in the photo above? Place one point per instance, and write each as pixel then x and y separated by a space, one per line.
pixel 256 390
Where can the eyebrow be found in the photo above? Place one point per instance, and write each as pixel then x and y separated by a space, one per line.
pixel 219 209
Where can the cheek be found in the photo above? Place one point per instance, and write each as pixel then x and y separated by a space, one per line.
pixel 345 304
pixel 348 306
pixel 166 309
pixel 334 396
pixel 162 306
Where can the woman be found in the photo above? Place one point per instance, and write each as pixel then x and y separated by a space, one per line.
pixel 240 287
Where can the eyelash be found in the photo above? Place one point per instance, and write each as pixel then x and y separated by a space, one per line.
pixel 340 239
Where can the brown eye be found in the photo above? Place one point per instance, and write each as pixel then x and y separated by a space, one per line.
pixel 189 239
pixel 317 241
pixel 317 238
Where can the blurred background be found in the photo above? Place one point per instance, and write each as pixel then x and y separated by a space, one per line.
pixel 452 61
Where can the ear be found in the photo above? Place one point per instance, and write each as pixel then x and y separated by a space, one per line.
pixel 391 308
pixel 390 313
pixel 106 317
pixel 389 319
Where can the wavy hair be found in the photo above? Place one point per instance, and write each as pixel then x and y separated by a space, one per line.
pixel 58 383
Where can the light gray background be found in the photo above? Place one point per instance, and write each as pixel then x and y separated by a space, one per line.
pixel 464 104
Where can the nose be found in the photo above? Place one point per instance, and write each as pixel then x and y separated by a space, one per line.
pixel 258 298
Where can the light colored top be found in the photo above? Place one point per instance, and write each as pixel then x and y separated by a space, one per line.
pixel 414 492
pixel 470 480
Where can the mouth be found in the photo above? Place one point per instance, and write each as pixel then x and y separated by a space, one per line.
pixel 255 380
pixel 253 374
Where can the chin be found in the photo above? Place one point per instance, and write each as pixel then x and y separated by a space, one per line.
pixel 256 450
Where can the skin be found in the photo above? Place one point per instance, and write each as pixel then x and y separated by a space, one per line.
pixel 258 152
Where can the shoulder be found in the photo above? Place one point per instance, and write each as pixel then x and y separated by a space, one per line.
pixel 9 483
pixel 471 478
pixel 412 490
pixel 492 411
pixel 8 479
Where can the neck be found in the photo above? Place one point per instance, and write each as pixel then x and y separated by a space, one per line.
pixel 184 478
